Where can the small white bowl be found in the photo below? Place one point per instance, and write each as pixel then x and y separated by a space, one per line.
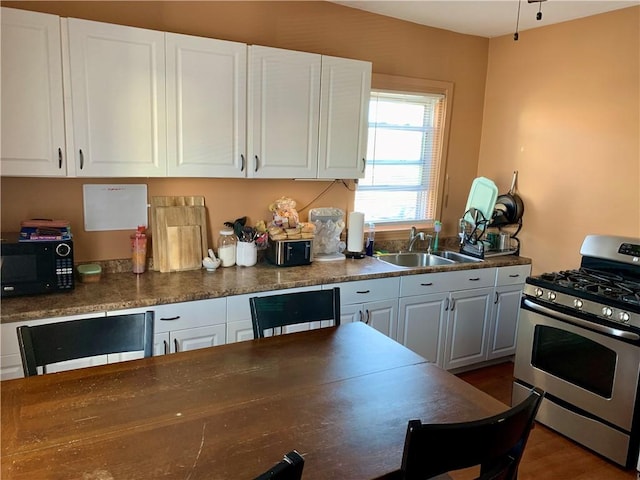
pixel 210 264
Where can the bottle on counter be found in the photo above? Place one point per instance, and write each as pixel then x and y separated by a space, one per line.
pixel 139 250
pixel 227 248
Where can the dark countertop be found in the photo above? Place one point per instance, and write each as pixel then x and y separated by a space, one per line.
pixel 117 291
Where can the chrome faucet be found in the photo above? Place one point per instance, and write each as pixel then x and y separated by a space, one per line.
pixel 413 236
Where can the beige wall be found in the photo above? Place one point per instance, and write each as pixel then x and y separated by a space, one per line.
pixel 395 47
pixel 562 107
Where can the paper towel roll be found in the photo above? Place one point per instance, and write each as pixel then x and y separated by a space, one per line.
pixel 355 232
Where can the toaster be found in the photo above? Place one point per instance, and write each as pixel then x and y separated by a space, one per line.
pixel 289 253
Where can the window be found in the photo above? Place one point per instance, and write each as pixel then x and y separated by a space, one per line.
pixel 404 170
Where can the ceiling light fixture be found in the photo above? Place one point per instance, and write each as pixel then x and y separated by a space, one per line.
pixel 538 15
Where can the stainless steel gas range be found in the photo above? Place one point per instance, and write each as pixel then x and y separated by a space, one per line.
pixel 579 341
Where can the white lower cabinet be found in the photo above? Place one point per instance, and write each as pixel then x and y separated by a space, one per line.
pixel 445 316
pixel 506 310
pixel 467 327
pixel 453 319
pixel 179 327
pixel 374 302
pixel 422 322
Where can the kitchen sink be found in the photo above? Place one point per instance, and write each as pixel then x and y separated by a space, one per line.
pixel 456 256
pixel 422 259
pixel 414 259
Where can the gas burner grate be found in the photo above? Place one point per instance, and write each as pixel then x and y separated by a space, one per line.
pixel 607 285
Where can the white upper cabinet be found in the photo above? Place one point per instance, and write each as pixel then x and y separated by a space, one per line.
pixel 284 108
pixel 93 99
pixel 33 140
pixel 344 122
pixel 117 100
pixel 206 107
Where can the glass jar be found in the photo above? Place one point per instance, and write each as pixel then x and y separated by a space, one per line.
pixel 227 248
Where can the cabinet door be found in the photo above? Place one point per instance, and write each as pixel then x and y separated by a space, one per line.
pixel 33 141
pixel 468 326
pixel 118 100
pixel 351 313
pixel 239 331
pixel 194 338
pixel 504 321
pixel 284 109
pixel 161 343
pixel 345 89
pixel 206 107
pixel 383 316
pixel 422 325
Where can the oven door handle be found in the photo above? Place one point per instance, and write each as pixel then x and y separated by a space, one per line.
pixel 583 323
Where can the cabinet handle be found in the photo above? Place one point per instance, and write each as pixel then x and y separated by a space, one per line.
pixel 59 158
pixel 242 162
pixel 360 314
pixel 363 291
pixel 453 304
pixel 168 319
pixel 514 275
pixel 367 316
pixel 497 298
pixel 474 279
pixel 446 304
pixel 175 342
pixel 364 164
pixel 428 284
pixel 166 347
pixel 255 168
pixel 81 160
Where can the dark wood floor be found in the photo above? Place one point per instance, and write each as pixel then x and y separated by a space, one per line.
pixel 548 455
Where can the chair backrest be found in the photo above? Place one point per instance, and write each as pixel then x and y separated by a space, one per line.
pixel 291 308
pixel 495 443
pixel 42 345
pixel 289 468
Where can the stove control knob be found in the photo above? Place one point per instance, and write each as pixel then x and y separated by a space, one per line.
pixel 607 311
pixel 577 303
pixel 624 317
pixel 538 292
pixel 551 296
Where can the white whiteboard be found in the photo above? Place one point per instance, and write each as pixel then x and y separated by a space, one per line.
pixel 114 207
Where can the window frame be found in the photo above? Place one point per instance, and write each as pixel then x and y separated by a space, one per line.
pixel 418 86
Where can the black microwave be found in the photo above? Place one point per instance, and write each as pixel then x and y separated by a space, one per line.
pixel 33 267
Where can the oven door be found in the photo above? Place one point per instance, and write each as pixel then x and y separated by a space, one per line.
pixel 592 371
pixel 590 378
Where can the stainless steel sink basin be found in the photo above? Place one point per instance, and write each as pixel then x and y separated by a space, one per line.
pixel 457 257
pixel 414 259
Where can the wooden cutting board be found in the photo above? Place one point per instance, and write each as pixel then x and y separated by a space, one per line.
pixel 181 240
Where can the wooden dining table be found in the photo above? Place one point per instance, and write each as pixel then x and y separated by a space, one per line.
pixel 341 396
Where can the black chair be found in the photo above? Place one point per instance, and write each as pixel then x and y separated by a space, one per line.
pixel 495 443
pixel 289 468
pixel 56 342
pixel 291 308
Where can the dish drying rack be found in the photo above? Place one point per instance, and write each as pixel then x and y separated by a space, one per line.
pixel 473 225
